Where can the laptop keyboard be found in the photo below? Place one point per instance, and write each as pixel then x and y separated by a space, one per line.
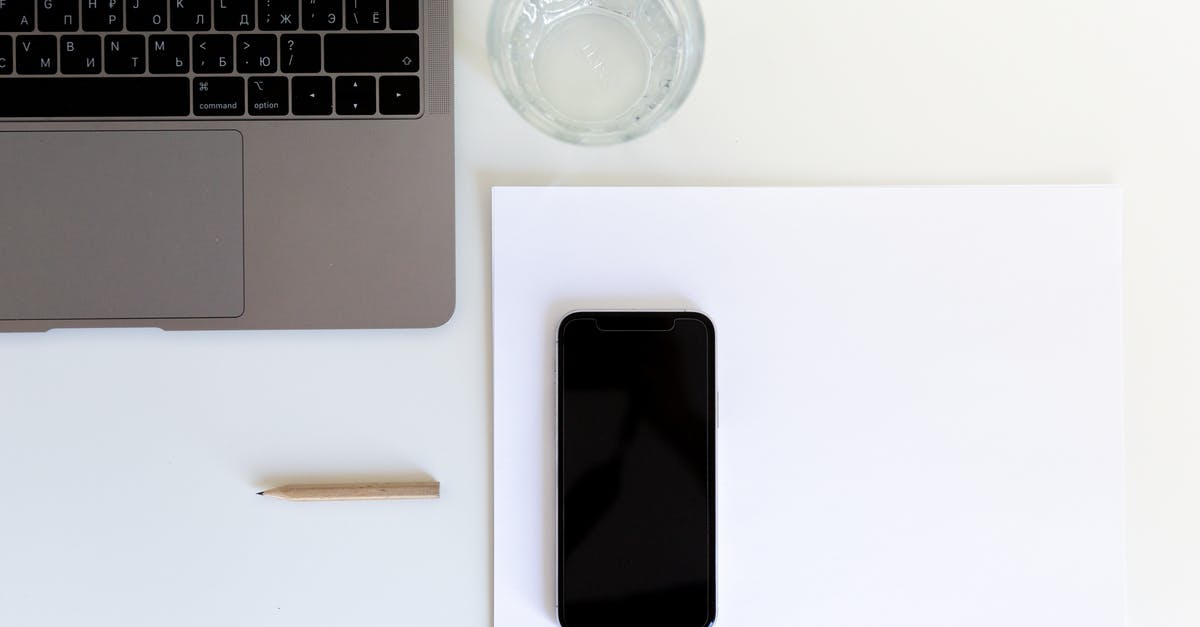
pixel 209 58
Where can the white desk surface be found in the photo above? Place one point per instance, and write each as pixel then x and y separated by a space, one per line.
pixel 130 458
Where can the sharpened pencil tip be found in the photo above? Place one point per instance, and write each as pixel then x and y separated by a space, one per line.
pixel 260 493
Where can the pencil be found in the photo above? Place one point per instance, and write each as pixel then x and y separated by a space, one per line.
pixel 356 491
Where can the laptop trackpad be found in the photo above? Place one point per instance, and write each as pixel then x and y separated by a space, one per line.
pixel 120 224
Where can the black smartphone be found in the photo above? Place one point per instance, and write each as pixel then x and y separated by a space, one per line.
pixel 636 469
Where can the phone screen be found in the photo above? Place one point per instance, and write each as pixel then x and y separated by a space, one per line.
pixel 636 469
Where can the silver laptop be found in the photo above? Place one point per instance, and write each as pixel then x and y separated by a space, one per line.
pixel 226 164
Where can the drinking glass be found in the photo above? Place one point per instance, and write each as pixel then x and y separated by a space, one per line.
pixel 596 71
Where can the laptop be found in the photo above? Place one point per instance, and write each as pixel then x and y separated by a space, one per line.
pixel 226 164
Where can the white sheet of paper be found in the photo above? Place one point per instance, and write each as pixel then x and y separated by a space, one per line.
pixel 919 393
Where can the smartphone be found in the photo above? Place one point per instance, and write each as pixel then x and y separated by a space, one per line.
pixel 636 469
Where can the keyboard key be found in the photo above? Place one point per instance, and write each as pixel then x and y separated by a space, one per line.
pixel 371 53
pixel 58 15
pixel 218 96
pixel 79 54
pixel 312 95
pixel 355 95
pixel 191 15
pixel 168 54
pixel 399 95
pixel 300 53
pixel 365 15
pixel 233 14
pixel 148 15
pixel 256 54
pixel 124 54
pixel 405 14
pixel 93 96
pixel 17 16
pixel 102 15
pixel 267 95
pixel 6 51
pixel 278 14
pixel 212 54
pixel 322 14
pixel 36 54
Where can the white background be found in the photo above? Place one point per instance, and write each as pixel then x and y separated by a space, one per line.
pixel 125 452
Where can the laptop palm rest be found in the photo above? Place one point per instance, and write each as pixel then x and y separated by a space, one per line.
pixel 120 224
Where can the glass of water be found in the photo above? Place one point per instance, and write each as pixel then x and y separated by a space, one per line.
pixel 596 71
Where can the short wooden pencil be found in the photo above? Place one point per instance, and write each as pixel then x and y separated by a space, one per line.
pixel 356 491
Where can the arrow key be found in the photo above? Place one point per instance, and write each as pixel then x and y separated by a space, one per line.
pixel 312 95
pixel 356 95
pixel 399 95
